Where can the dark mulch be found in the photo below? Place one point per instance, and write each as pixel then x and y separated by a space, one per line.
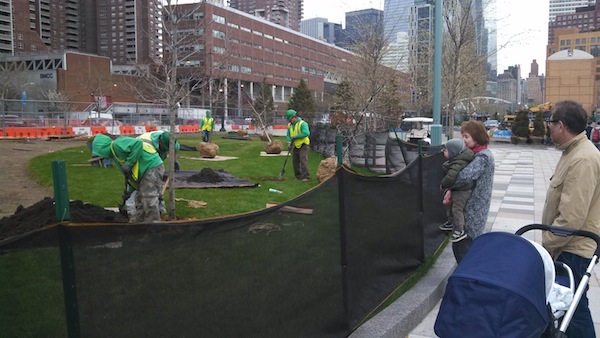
pixel 206 175
pixel 42 213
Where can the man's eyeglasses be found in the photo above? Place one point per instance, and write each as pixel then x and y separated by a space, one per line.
pixel 554 121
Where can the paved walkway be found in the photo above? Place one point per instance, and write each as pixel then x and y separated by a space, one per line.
pixel 521 178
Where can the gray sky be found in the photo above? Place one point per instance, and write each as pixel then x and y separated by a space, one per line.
pixel 523 33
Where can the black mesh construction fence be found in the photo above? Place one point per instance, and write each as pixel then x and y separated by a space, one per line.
pixel 271 273
pixel 381 152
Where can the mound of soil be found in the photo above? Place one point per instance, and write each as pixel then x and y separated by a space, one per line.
pixel 42 213
pixel 206 175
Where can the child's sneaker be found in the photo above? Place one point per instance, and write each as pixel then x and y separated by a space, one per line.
pixel 446 226
pixel 458 235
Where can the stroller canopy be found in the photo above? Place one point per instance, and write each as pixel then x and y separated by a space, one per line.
pixel 498 290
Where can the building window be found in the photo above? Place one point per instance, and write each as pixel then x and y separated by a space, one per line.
pixel 218 50
pixel 218 19
pixel 20 36
pixel 20 45
pixel 218 34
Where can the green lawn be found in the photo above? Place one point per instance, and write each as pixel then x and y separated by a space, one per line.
pixel 104 186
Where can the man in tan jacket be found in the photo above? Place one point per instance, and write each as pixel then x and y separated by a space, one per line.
pixel 573 201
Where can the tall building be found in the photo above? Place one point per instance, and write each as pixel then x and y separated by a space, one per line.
pixel 507 89
pixel 126 31
pixel 510 86
pixel 535 85
pixel 361 21
pixel 320 28
pixel 287 13
pixel 397 27
pixel 585 19
pixel 490 23
pixel 421 47
pixel 558 7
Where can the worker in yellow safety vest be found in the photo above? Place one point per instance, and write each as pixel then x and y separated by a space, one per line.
pixel 206 125
pixel 298 134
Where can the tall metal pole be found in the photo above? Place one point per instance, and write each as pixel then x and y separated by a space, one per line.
pixel 436 128
pixel 239 98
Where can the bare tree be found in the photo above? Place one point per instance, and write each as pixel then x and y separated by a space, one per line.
pixel 370 83
pixel 263 108
pixel 172 76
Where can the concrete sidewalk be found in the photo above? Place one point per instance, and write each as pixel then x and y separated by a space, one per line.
pixel 522 175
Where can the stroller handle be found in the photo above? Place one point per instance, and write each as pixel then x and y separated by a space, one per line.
pixel 563 232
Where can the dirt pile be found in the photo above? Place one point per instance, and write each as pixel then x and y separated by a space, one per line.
pixel 42 213
pixel 206 175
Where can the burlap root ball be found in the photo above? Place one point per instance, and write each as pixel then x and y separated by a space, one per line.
pixel 274 147
pixel 242 132
pixel 327 168
pixel 208 149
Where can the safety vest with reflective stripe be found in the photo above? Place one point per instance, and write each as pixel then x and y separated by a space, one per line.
pixel 295 130
pixel 207 123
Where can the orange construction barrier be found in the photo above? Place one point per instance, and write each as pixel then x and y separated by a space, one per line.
pixel 127 130
pixel 151 128
pixel 98 130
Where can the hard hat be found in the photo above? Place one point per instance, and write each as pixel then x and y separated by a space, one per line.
pixel 289 114
pixel 165 138
pixel 208 113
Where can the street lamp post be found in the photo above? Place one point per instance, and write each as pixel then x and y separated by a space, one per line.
pixel 225 105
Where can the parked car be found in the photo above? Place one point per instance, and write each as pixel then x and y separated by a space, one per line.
pixel 489 124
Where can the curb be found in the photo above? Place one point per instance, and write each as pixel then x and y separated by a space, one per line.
pixel 408 311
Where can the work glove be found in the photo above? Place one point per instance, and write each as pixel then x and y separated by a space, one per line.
pixel 292 139
pixel 126 169
pixel 177 166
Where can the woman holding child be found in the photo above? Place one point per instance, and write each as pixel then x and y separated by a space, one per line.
pixel 480 172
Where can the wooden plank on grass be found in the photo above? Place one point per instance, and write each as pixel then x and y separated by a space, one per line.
pixel 287 208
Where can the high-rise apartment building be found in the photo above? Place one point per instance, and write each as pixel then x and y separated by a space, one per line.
pixel 127 31
pixel 585 19
pixel 558 7
pixel 287 13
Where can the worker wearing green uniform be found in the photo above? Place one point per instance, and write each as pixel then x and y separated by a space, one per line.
pixel 142 169
pixel 158 141
pixel 298 134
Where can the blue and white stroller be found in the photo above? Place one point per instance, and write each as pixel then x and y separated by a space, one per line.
pixel 502 287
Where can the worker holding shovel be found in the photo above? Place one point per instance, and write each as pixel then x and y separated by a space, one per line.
pixel 298 134
pixel 143 171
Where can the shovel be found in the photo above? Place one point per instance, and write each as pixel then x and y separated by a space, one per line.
pixel 280 177
pixel 125 197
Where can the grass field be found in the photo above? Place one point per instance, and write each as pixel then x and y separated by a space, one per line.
pixel 104 186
